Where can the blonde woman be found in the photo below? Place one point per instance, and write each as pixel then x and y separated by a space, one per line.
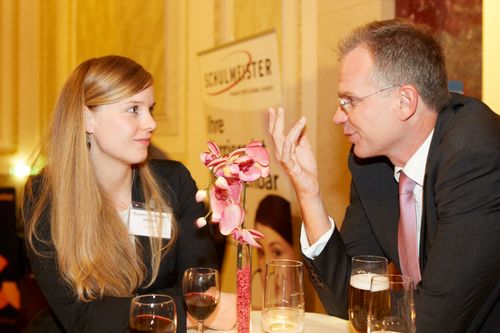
pixel 88 250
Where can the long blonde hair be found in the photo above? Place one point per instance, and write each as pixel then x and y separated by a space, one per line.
pixel 94 253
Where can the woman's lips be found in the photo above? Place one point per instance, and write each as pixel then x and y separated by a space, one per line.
pixel 145 142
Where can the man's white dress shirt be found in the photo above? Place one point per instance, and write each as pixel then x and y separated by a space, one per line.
pixel 414 169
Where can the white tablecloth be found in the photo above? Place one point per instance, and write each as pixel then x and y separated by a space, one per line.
pixel 314 323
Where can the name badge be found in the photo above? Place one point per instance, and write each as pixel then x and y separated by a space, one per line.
pixel 140 225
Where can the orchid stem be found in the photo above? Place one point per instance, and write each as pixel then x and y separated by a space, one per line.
pixel 244 200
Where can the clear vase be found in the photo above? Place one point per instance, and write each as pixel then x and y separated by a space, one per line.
pixel 243 287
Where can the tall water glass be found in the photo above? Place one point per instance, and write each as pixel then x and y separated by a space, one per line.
pixel 283 304
pixel 391 307
pixel 363 268
pixel 153 313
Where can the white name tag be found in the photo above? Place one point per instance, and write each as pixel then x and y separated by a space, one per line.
pixel 138 223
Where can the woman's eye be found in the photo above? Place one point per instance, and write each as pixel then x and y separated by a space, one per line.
pixel 151 109
pixel 133 109
pixel 277 253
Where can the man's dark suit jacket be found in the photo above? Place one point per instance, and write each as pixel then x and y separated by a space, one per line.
pixel 460 233
pixel 194 247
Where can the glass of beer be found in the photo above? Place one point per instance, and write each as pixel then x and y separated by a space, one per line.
pixel 283 303
pixel 363 268
pixel 391 307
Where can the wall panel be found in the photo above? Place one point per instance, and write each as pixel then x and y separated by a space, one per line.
pixel 151 35
pixel 9 77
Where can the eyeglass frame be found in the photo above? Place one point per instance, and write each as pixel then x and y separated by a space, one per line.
pixel 347 106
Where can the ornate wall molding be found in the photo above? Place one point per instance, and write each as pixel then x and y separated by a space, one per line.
pixel 298 59
pixel 9 86
pixel 171 134
pixel 56 48
pixel 156 40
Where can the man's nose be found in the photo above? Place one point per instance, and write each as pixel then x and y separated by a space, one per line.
pixel 340 116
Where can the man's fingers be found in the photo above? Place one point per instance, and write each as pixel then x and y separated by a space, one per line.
pixel 304 141
pixel 271 119
pixel 285 145
pixel 275 128
pixel 286 153
pixel 276 121
pixel 296 130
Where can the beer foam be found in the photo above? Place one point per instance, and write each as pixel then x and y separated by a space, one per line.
pixel 363 282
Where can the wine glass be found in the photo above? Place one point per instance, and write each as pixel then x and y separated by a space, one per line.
pixel 391 307
pixel 201 292
pixel 363 268
pixel 283 304
pixel 153 313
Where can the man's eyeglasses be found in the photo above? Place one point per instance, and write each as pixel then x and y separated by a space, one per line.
pixel 348 103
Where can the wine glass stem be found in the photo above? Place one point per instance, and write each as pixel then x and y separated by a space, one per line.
pixel 200 326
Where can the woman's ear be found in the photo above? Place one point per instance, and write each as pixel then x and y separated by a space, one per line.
pixel 89 120
pixel 408 102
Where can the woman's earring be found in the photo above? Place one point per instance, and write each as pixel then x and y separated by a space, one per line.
pixel 88 141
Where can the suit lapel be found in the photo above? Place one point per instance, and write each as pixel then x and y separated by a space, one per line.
pixel 379 195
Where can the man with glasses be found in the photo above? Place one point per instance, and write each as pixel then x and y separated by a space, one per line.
pixel 404 125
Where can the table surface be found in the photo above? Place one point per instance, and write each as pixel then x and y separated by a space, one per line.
pixel 314 323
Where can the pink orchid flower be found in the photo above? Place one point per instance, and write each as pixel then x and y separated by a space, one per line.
pixel 249 163
pixel 214 153
pixel 223 193
pixel 256 150
pixel 246 169
pixel 232 218
pixel 247 236
pixel 259 154
pixel 217 165
pixel 231 171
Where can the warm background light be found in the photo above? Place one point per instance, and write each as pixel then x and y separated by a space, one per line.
pixel 20 170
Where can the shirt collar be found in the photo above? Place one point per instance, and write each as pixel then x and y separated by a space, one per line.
pixel 415 167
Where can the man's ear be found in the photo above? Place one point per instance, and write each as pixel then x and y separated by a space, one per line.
pixel 408 102
pixel 89 120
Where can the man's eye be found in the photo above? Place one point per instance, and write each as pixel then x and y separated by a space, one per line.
pixel 345 101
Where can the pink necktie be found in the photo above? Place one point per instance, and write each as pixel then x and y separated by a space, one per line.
pixel 407 230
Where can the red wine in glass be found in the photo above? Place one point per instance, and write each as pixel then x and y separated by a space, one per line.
pixel 152 323
pixel 152 313
pixel 200 305
pixel 201 292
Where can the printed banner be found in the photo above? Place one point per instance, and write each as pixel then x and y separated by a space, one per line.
pixel 243 75
pixel 240 81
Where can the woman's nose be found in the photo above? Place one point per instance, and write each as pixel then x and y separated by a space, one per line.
pixel 149 122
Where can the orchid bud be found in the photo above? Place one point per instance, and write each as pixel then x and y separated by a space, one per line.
pixel 201 196
pixel 201 222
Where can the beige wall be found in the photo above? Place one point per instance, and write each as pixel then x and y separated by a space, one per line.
pixel 335 19
pixel 491 54
pixel 19 86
